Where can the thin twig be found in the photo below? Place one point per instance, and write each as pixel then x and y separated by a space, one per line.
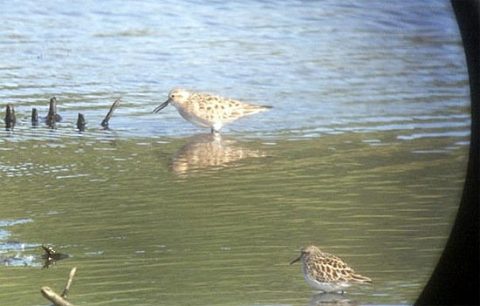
pixel 69 282
pixel 110 113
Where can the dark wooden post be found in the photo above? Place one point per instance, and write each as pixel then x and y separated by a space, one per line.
pixel 34 117
pixel 10 118
pixel 52 116
pixel 81 123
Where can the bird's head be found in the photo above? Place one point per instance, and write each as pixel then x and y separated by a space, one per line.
pixel 306 252
pixel 177 97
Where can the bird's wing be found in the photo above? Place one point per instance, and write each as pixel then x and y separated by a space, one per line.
pixel 332 269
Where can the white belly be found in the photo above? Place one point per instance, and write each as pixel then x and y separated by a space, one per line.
pixel 193 119
pixel 326 287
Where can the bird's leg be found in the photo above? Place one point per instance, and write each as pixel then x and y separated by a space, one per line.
pixel 215 132
pixel 216 127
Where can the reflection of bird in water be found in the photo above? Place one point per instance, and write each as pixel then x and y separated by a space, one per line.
pixel 326 272
pixel 330 299
pixel 209 151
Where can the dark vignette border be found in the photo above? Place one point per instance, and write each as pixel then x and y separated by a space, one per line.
pixel 455 280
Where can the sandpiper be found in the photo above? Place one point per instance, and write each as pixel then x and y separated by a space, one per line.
pixel 208 110
pixel 327 272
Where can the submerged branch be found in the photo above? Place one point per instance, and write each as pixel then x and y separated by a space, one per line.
pixel 53 297
pixel 56 299
pixel 51 256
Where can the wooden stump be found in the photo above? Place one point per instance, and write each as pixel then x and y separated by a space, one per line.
pixel 34 117
pixel 10 118
pixel 53 117
pixel 81 123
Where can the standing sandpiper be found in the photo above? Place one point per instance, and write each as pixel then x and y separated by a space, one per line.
pixel 326 272
pixel 208 110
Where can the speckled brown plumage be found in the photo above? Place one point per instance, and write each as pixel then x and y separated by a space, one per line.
pixel 327 272
pixel 207 110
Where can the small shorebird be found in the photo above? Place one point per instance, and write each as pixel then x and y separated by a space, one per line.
pixel 326 272
pixel 208 110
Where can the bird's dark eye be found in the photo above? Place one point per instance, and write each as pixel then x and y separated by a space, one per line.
pixel 173 96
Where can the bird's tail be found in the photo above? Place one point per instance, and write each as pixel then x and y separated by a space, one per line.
pixel 261 108
pixel 361 279
pixel 253 109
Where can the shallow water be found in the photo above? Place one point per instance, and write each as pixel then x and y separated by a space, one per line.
pixel 363 154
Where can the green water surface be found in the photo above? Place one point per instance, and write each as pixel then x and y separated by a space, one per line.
pixel 199 221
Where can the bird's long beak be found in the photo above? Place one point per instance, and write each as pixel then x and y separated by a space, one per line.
pixel 161 106
pixel 296 259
